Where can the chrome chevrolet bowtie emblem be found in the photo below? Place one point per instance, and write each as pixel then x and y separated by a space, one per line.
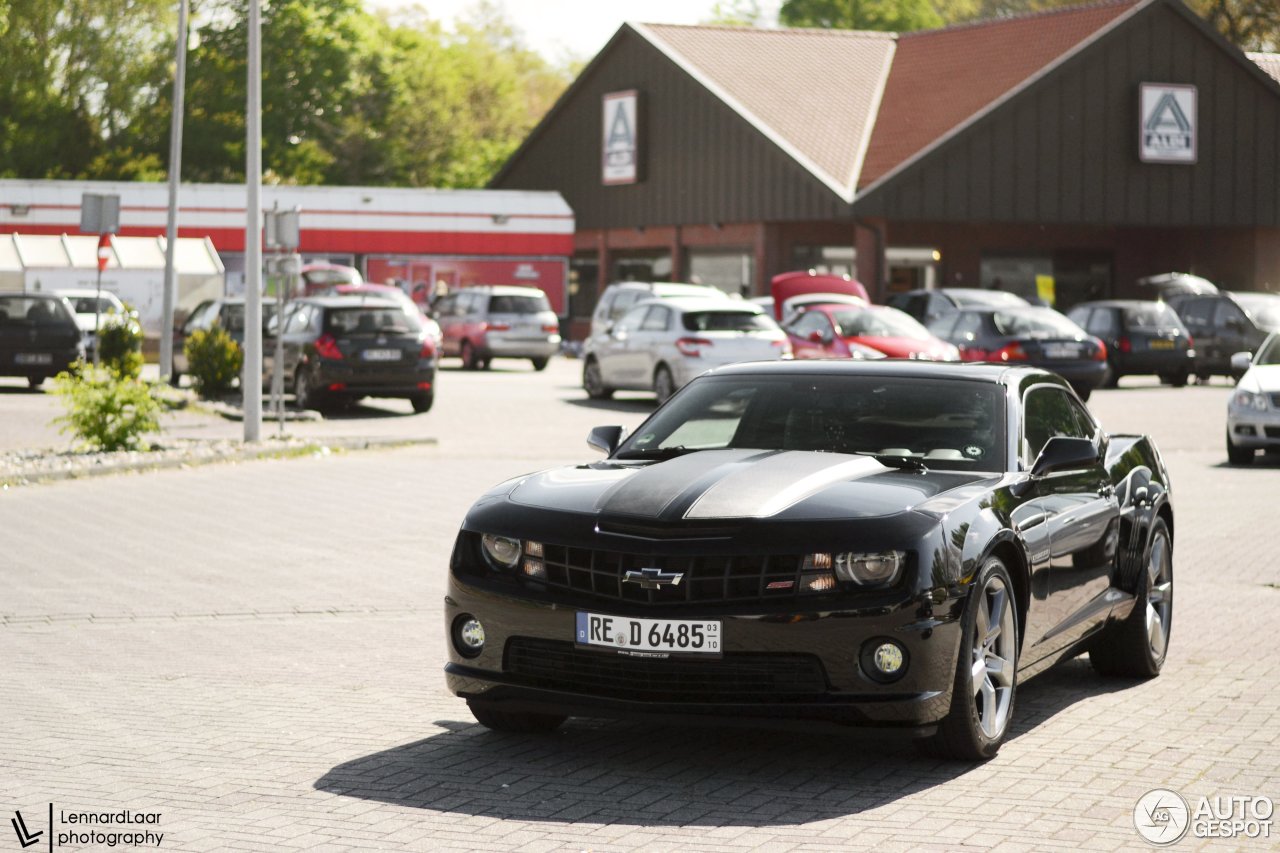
pixel 653 578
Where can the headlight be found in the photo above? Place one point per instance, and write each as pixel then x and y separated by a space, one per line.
pixel 1250 400
pixel 870 569
pixel 502 552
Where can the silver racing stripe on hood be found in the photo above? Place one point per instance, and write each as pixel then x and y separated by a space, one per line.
pixel 654 488
pixel 777 481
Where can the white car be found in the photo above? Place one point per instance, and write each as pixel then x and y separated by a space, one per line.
pixel 661 344
pixel 1253 415
pixel 91 309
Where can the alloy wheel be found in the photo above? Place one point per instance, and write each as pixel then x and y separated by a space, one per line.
pixel 1159 597
pixel 994 652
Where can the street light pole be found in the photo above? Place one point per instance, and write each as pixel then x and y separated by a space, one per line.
pixel 251 378
pixel 175 175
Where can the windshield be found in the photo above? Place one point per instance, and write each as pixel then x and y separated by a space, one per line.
pixel 370 321
pixel 1262 308
pixel 726 321
pixel 882 323
pixel 504 304
pixel 1269 352
pixel 1035 323
pixel 980 298
pixel 1157 315
pixel 85 305
pixel 34 311
pixel 232 317
pixel 953 424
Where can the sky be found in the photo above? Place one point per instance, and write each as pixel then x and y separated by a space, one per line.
pixel 560 29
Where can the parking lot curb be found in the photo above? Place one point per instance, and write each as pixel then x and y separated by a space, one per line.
pixel 267 449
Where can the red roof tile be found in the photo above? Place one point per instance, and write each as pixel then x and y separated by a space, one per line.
pixel 940 78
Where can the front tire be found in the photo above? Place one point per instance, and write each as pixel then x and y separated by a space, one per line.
pixel 664 385
pixel 982 697
pixel 539 363
pixel 513 721
pixel 1136 648
pixel 1238 455
pixel 593 381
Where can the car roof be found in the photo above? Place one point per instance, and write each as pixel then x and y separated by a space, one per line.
pixel 1119 303
pixel 900 368
pixel 700 303
pixel 351 301
pixel 81 291
pixel 502 290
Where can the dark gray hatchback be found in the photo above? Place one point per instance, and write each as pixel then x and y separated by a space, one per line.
pixel 39 337
pixel 341 348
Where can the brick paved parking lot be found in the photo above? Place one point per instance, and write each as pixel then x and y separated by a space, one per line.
pixel 254 651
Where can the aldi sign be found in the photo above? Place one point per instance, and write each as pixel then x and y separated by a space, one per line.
pixel 620 156
pixel 1167 129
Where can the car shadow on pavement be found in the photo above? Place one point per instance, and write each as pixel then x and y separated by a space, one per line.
pixel 646 774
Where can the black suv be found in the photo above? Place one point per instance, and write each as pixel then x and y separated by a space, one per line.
pixel 1224 324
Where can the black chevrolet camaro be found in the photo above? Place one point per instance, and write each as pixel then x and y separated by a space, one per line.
pixel 889 544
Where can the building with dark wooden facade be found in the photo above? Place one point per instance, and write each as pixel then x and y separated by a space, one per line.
pixel 1068 152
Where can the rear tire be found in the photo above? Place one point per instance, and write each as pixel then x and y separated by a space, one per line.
pixel 469 360
pixel 664 385
pixel 1238 455
pixel 513 721
pixel 593 381
pixel 1136 648
pixel 982 697
pixel 1112 378
pixel 1177 379
pixel 539 363
pixel 34 382
pixel 304 395
pixel 422 402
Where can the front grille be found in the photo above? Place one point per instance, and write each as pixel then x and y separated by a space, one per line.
pixel 601 574
pixel 1273 432
pixel 736 677
pixel 1275 401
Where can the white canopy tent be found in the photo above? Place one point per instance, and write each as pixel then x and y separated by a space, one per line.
pixel 135 270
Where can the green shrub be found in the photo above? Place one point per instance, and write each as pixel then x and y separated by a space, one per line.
pixel 213 360
pixel 106 410
pixel 120 346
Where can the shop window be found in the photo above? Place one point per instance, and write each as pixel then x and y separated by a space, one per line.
pixel 1061 279
pixel 644 265
pixel 732 270
pixel 824 259
pixel 584 281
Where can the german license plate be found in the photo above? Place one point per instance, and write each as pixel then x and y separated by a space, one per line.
pixel 382 355
pixel 658 637
pixel 33 358
pixel 1061 351
pixel 1159 343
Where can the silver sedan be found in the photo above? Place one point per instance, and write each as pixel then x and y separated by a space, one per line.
pixel 1253 415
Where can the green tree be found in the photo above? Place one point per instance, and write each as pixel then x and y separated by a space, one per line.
pixel 1251 24
pixel 889 15
pixel 736 13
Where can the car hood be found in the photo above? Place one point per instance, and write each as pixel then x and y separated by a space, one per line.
pixel 1262 377
pixel 739 484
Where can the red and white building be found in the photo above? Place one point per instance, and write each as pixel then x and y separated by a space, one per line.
pixel 409 236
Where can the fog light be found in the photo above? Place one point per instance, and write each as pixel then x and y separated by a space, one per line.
pixel 888 658
pixel 468 635
pixel 884 660
pixel 534 568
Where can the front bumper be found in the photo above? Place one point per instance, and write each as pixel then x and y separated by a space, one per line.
pixel 1259 430
pixel 760 640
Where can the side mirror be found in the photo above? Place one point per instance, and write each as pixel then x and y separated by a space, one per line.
pixel 1061 453
pixel 605 438
pixel 1240 363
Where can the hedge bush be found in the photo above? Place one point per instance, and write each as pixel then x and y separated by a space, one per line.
pixel 214 360
pixel 120 346
pixel 106 409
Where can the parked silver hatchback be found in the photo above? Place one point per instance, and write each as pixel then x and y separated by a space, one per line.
pixel 661 344
pixel 482 323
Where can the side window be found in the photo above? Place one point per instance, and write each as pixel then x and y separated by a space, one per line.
pixel 1227 314
pixel 444 306
pixel 631 320
pixel 602 309
pixel 299 320
pixel 195 318
pixel 968 327
pixel 657 320
pixel 623 302
pixel 1196 313
pixel 944 326
pixel 1048 412
pixel 1080 316
pixel 1104 323
pixel 809 322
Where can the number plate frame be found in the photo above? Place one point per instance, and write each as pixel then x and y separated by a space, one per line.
pixel 381 355
pixel 601 631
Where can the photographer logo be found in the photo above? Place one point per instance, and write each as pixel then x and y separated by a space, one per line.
pixel 1161 816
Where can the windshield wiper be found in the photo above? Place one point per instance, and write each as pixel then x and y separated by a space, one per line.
pixel 906 463
pixel 657 452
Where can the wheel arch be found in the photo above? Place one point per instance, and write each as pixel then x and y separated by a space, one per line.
pixel 1010 552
